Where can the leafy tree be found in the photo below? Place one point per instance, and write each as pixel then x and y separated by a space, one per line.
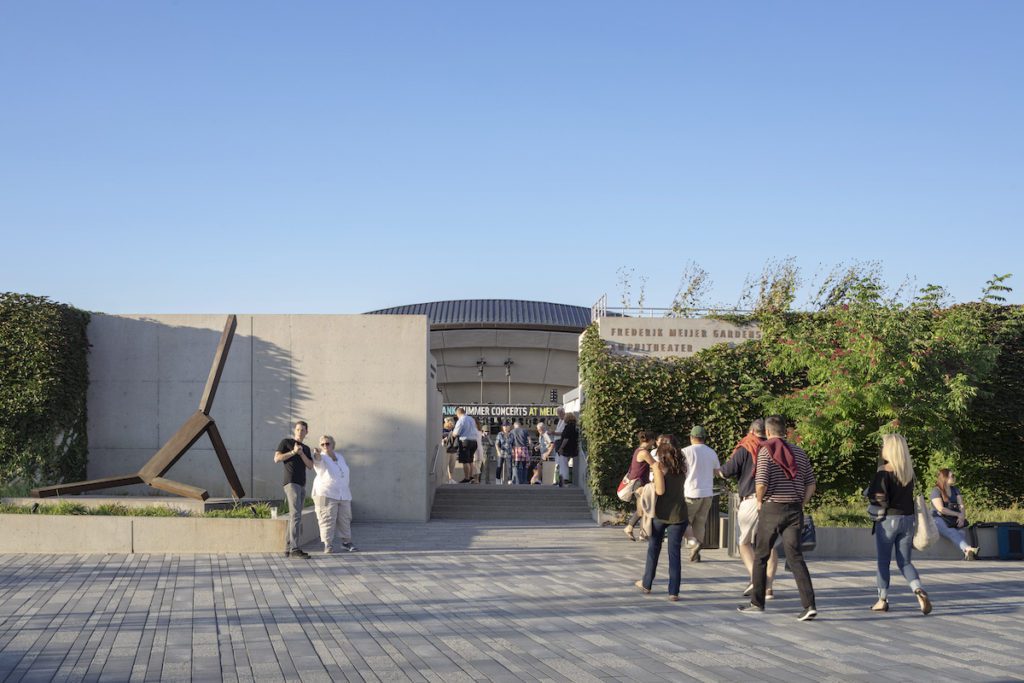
pixel 861 362
pixel 875 365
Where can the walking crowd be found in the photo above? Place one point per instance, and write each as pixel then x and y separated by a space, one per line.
pixel 672 489
pixel 519 456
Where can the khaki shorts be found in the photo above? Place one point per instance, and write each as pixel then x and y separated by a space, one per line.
pixel 746 518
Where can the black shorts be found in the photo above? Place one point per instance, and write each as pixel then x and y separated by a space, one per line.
pixel 466 451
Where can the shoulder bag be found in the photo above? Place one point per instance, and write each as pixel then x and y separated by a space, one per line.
pixel 926 532
pixel 627 487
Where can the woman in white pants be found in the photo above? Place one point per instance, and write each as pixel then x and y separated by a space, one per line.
pixel 332 497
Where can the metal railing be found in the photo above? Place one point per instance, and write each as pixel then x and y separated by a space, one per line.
pixel 602 309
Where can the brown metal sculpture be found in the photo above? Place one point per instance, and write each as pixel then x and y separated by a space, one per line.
pixel 152 473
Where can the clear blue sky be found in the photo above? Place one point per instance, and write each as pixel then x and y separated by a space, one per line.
pixel 338 157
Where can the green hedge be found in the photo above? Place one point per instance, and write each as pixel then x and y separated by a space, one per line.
pixel 44 378
pixel 992 441
pixel 951 380
pixel 721 388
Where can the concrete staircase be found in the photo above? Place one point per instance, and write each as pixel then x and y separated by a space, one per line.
pixel 511 503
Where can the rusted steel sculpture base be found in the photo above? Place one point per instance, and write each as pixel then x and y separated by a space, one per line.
pixel 152 473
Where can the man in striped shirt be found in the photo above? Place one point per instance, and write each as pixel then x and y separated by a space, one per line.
pixel 784 482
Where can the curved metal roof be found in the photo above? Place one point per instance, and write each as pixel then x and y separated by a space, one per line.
pixel 496 314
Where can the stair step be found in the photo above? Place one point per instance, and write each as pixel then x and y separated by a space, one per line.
pixel 513 508
pixel 531 516
pixel 512 503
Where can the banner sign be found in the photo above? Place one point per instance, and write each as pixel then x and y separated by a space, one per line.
pixel 668 337
pixel 501 411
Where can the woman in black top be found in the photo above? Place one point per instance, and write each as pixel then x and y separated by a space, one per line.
pixel 893 489
pixel 949 514
pixel 669 518
pixel 568 448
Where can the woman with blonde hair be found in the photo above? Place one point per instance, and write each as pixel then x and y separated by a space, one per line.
pixel 949 514
pixel 893 490
pixel 332 496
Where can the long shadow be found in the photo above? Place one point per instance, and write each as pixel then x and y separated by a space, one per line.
pixel 146 378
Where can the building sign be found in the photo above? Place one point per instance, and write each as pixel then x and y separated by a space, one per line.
pixel 671 337
pixel 501 411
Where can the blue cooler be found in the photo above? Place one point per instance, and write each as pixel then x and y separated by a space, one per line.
pixel 999 540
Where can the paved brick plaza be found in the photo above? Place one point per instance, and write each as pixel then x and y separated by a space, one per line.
pixel 455 601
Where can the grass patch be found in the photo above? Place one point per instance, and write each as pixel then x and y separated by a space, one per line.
pixel 841 516
pixel 118 510
pixel 253 511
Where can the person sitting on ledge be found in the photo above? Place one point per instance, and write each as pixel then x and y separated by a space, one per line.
pixel 949 513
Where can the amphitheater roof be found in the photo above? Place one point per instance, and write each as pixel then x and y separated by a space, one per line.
pixel 496 314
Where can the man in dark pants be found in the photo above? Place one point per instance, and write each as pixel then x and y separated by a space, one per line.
pixel 297 458
pixel 784 483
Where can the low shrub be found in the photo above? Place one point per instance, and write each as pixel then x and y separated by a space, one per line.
pixel 246 511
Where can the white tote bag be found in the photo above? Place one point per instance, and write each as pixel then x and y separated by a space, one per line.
pixel 926 532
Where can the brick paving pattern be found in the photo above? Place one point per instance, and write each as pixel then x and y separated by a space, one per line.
pixel 466 601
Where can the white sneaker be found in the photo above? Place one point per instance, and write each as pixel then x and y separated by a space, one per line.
pixel 451 481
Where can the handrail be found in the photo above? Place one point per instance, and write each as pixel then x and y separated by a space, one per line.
pixel 433 466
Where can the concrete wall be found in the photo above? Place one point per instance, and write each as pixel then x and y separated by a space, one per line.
pixel 363 379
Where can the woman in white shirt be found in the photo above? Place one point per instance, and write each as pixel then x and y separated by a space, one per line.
pixel 332 497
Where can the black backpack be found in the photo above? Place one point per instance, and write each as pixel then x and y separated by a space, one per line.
pixel 450 443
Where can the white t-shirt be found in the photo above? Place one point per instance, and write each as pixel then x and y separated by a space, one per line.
pixel 701 463
pixel 332 479
pixel 545 442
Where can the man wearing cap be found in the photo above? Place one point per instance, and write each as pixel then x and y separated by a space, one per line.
pixel 701 466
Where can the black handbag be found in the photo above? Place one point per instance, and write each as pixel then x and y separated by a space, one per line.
pixel 876 512
pixel 951 522
pixel 808 535
pixel 450 443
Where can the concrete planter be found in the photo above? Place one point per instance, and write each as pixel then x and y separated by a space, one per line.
pixel 835 543
pixel 91 534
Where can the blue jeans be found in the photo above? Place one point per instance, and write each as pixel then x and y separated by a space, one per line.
pixel 503 472
pixel 675 542
pixel 521 473
pixel 895 532
pixel 955 536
